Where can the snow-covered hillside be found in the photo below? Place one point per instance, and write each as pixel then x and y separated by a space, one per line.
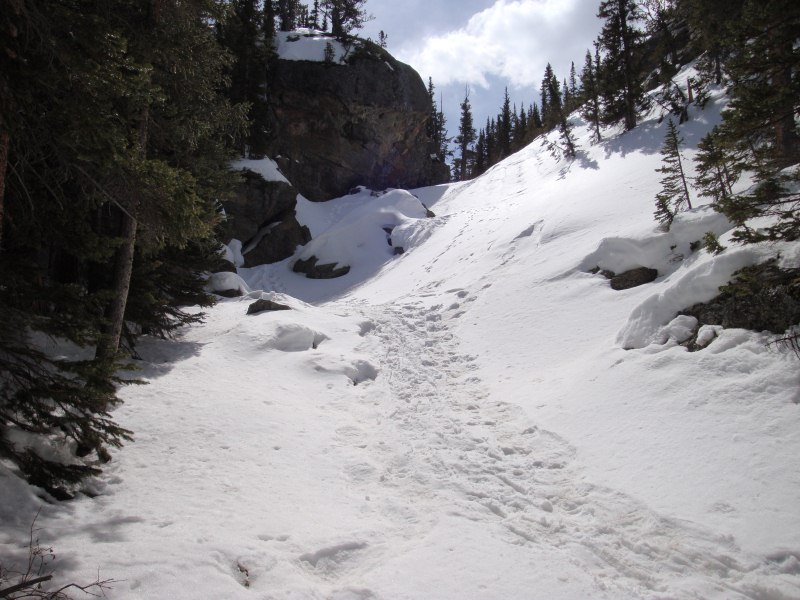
pixel 479 417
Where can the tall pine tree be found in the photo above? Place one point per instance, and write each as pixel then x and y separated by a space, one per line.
pixel 621 77
pixel 590 109
pixel 759 127
pixel 465 140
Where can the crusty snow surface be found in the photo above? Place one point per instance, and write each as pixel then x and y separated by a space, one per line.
pixel 477 418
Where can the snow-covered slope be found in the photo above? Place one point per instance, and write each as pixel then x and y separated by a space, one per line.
pixel 462 420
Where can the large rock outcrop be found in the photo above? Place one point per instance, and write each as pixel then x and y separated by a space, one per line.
pixel 363 122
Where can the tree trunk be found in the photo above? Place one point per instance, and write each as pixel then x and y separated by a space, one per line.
pixel 108 344
pixel 630 93
pixel 683 180
pixel 787 141
pixel 5 141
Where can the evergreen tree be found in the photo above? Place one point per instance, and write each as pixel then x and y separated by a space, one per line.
pixel 491 143
pixel 557 112
pixel 621 77
pixel 567 101
pixel 674 194
pixel 345 16
pixel 465 140
pixel 521 129
pixel 574 89
pixel 480 165
pixel 437 128
pixel 117 135
pixel 551 99
pixel 759 128
pixel 535 118
pixel 591 94
pixel 286 15
pixel 716 175
pixel 504 127
pixel 710 22
pixel 247 33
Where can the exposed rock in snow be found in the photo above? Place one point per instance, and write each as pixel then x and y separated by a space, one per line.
pixel 227 284
pixel 633 278
pixel 264 305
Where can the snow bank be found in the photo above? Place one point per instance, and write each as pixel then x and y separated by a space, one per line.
pixel 232 252
pixel 360 227
pixel 696 282
pixel 308 44
pixel 665 252
pixel 266 167
pixel 225 281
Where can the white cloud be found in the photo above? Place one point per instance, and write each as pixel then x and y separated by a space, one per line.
pixel 513 39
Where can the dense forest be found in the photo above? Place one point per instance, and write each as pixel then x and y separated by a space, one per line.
pixel 118 121
pixel 119 118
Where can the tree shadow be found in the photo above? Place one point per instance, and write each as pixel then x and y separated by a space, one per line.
pixel 645 137
pixel 156 357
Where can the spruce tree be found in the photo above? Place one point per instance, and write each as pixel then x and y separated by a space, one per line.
pixel 590 109
pixel 521 129
pixel 674 194
pixel 437 127
pixel 710 23
pixel 491 143
pixel 504 127
pixel 567 101
pixel 759 129
pixel 345 16
pixel 247 33
pixel 716 175
pixel 535 119
pixel 621 77
pixel 574 88
pixel 118 136
pixel 549 117
pixel 557 113
pixel 465 140
pixel 480 165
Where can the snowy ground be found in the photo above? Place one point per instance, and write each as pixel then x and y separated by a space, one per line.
pixel 460 421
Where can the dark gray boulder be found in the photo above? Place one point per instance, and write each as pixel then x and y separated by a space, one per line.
pixel 633 278
pixel 265 305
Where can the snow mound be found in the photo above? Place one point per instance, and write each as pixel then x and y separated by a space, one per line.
pixel 698 283
pixel 232 252
pixel 308 44
pixel 361 227
pixel 225 281
pixel 294 337
pixel 665 252
pixel 266 167
pixel 357 370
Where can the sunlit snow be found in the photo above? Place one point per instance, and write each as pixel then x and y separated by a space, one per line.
pixel 463 420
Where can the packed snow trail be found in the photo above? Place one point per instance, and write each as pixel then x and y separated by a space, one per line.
pixel 476 458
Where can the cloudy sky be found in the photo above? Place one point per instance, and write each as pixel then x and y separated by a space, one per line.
pixel 486 45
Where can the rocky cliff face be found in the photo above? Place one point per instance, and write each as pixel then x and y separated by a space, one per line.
pixel 337 126
pixel 334 126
